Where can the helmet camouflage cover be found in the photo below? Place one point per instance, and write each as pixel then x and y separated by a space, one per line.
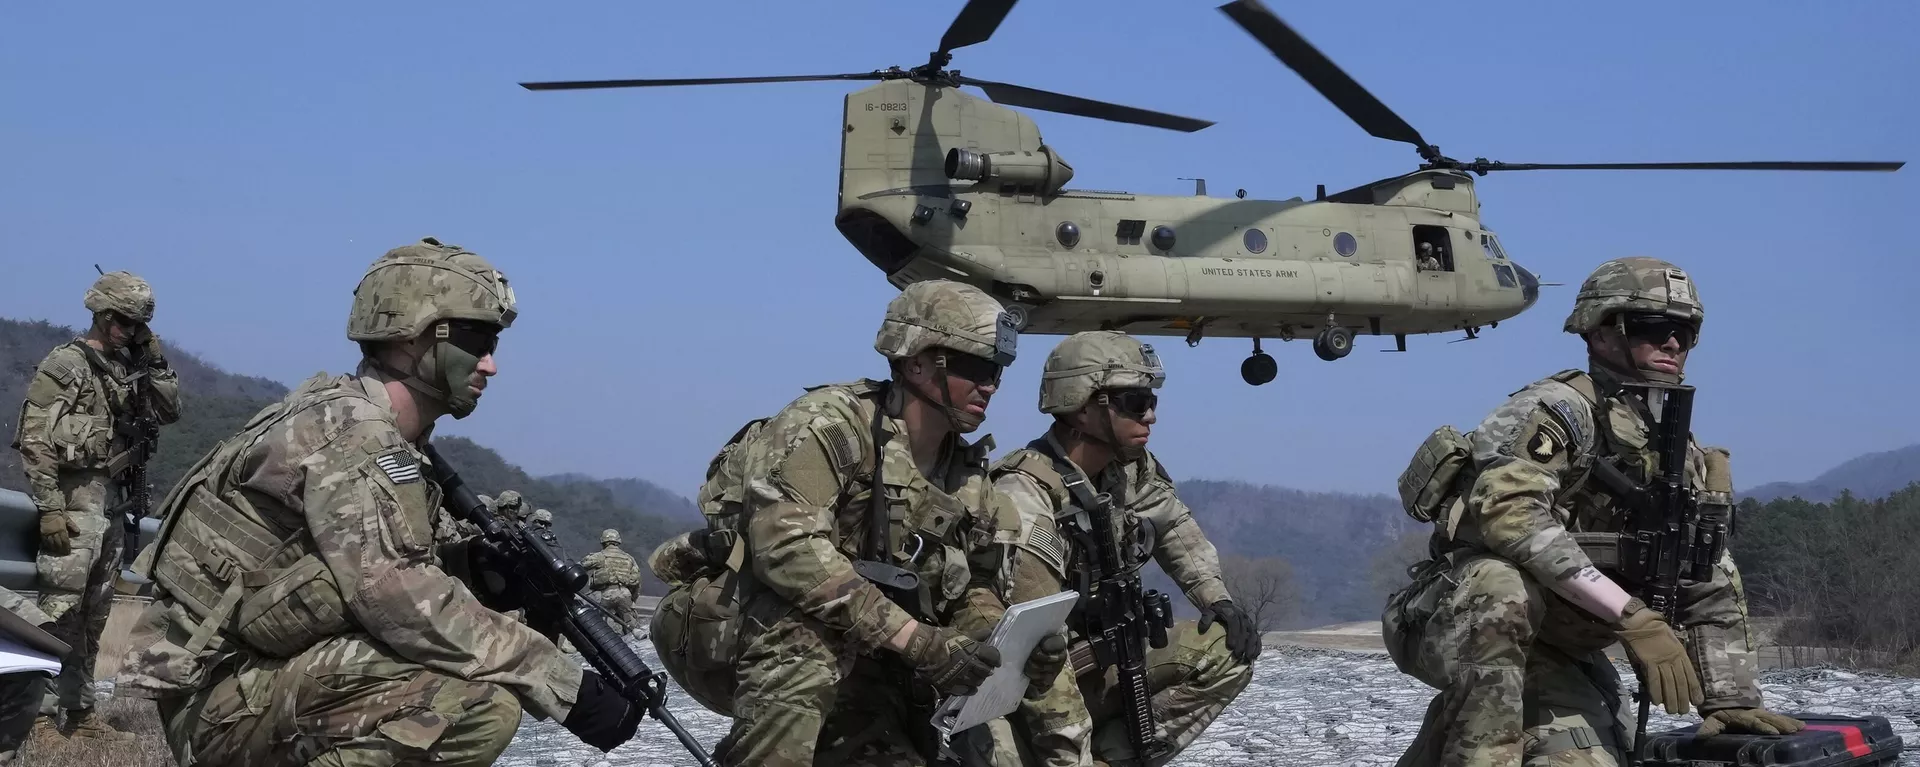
pixel 414 286
pixel 1094 360
pixel 609 535
pixel 949 315
pixel 1635 285
pixel 121 293
pixel 542 516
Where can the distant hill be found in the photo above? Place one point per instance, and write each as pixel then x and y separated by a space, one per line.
pixel 1874 475
pixel 642 494
pixel 1331 539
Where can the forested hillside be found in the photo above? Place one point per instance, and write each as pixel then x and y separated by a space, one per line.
pixel 1868 476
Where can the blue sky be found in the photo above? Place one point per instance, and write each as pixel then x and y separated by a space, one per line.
pixel 251 159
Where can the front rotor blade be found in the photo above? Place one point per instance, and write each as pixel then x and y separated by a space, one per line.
pixel 975 24
pixel 1033 98
pixel 1320 72
pixel 1847 166
pixel 570 85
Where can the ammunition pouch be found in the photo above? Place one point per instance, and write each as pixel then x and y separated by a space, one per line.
pixel 1427 486
pixel 290 609
pixel 696 626
pixel 1403 624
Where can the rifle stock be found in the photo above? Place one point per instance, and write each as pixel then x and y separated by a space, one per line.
pixel 549 585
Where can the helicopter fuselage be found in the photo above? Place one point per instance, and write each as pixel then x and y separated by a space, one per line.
pixel 938 184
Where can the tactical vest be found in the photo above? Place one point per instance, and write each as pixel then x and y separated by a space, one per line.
pixel 239 576
pixel 1037 462
pixel 97 434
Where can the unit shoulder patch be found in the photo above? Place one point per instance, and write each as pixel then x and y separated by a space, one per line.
pixel 399 466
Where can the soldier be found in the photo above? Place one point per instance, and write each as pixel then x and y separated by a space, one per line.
pixel 77 440
pixel 541 518
pixel 615 580
pixel 1098 386
pixel 1509 619
pixel 1427 261
pixel 825 656
pixel 20 693
pixel 302 614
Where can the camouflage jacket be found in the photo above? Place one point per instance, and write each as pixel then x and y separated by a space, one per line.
pixel 329 467
pixel 1533 492
pixel 1059 720
pixel 78 415
pixel 611 568
pixel 23 607
pixel 809 476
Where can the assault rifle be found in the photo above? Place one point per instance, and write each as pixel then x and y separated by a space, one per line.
pixel 1115 616
pixel 138 503
pixel 1667 541
pixel 549 585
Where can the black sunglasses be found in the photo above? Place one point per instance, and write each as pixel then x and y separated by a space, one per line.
pixel 1656 329
pixel 476 338
pixel 1133 403
pixel 978 371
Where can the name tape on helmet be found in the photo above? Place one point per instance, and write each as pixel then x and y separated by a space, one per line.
pixel 1006 337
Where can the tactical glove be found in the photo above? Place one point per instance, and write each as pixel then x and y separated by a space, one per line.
pixel 150 350
pixel 954 663
pixel 1043 664
pixel 1667 673
pixel 488 571
pixel 600 717
pixel 1243 640
pixel 56 533
pixel 1758 721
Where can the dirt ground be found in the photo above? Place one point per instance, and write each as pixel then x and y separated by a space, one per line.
pixel 129 714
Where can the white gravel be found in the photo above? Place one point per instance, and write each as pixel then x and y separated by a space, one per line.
pixel 1306 706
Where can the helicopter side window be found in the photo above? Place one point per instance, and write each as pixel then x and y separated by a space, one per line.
pixel 1492 245
pixel 1504 274
pixel 1432 249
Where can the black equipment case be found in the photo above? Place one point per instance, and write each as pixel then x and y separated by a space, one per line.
pixel 1826 742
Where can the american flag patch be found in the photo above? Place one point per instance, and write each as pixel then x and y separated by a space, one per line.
pixel 400 467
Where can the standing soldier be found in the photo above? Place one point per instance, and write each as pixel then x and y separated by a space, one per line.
pixel 615 580
pixel 1098 386
pixel 78 439
pixel 302 614
pixel 1509 618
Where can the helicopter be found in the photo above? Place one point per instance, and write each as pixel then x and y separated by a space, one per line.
pixel 936 183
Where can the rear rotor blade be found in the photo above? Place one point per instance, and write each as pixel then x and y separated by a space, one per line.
pixel 569 85
pixel 975 24
pixel 1320 72
pixel 1033 98
pixel 1482 166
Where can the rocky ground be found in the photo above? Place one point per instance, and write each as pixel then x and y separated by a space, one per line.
pixel 1306 706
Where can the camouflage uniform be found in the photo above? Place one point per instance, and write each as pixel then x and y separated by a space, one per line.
pixel 20 694
pixel 1521 672
pixel 810 669
pixel 303 614
pixel 1193 678
pixel 76 441
pixel 615 579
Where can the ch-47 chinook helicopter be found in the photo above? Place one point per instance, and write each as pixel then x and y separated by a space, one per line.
pixel 936 183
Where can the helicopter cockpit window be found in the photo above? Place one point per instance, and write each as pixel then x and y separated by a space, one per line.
pixel 1504 274
pixel 1432 249
pixel 1492 247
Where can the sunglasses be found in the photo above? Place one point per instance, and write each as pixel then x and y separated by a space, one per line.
pixel 1133 403
pixel 476 338
pixel 123 321
pixel 978 371
pixel 1656 329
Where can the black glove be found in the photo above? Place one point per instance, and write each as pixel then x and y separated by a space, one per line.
pixel 600 717
pixel 1043 664
pixel 1243 640
pixel 954 663
pixel 489 571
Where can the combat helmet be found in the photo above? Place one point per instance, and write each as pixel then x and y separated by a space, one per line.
pixel 609 536
pixel 1093 360
pixel 430 286
pixel 121 293
pixel 1635 285
pixel 542 517
pixel 949 315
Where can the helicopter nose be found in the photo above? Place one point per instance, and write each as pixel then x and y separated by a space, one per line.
pixel 1529 285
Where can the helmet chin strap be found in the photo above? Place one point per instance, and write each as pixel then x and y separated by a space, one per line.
pixel 1111 440
pixel 960 421
pixel 419 381
pixel 1625 366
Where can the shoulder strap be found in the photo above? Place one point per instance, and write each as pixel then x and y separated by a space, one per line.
pixel 1037 465
pixel 1581 383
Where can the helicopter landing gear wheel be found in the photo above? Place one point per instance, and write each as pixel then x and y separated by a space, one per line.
pixel 1333 343
pixel 1259 368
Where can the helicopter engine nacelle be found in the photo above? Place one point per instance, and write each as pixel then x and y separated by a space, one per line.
pixel 1041 169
